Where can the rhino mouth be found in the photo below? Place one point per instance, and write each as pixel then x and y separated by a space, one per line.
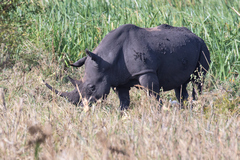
pixel 84 102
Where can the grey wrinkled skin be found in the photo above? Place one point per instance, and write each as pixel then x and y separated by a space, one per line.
pixel 160 57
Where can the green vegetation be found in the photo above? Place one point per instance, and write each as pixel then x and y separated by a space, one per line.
pixel 39 38
pixel 66 28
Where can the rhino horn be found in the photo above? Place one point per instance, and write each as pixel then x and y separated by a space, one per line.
pixel 50 87
pixel 79 63
pixel 93 56
pixel 73 81
pixel 68 95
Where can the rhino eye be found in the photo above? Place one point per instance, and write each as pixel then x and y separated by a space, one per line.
pixel 91 88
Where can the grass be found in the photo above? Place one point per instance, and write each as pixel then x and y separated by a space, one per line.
pixel 36 124
pixel 67 28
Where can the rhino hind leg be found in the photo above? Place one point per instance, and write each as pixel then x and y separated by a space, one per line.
pixel 181 93
pixel 198 81
pixel 199 88
pixel 123 95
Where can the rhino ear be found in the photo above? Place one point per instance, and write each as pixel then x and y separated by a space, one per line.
pixel 93 56
pixel 79 63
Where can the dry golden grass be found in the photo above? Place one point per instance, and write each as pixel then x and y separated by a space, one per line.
pixel 37 124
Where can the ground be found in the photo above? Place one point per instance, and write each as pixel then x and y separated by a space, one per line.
pixel 35 123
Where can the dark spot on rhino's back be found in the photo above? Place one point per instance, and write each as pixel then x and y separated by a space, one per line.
pixel 165 26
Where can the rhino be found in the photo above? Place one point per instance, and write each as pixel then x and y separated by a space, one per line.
pixel 163 57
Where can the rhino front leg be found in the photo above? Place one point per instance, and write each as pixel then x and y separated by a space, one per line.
pixel 123 95
pixel 150 82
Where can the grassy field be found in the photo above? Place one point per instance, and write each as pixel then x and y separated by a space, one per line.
pixel 37 124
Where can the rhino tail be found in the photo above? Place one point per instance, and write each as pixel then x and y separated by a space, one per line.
pixel 204 58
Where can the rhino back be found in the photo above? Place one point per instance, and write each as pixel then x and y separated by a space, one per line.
pixel 170 52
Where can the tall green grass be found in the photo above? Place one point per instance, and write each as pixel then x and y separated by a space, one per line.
pixel 66 28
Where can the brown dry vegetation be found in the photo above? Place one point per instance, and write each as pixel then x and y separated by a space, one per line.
pixel 37 124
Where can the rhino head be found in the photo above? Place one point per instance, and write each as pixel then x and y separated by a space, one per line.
pixel 95 83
